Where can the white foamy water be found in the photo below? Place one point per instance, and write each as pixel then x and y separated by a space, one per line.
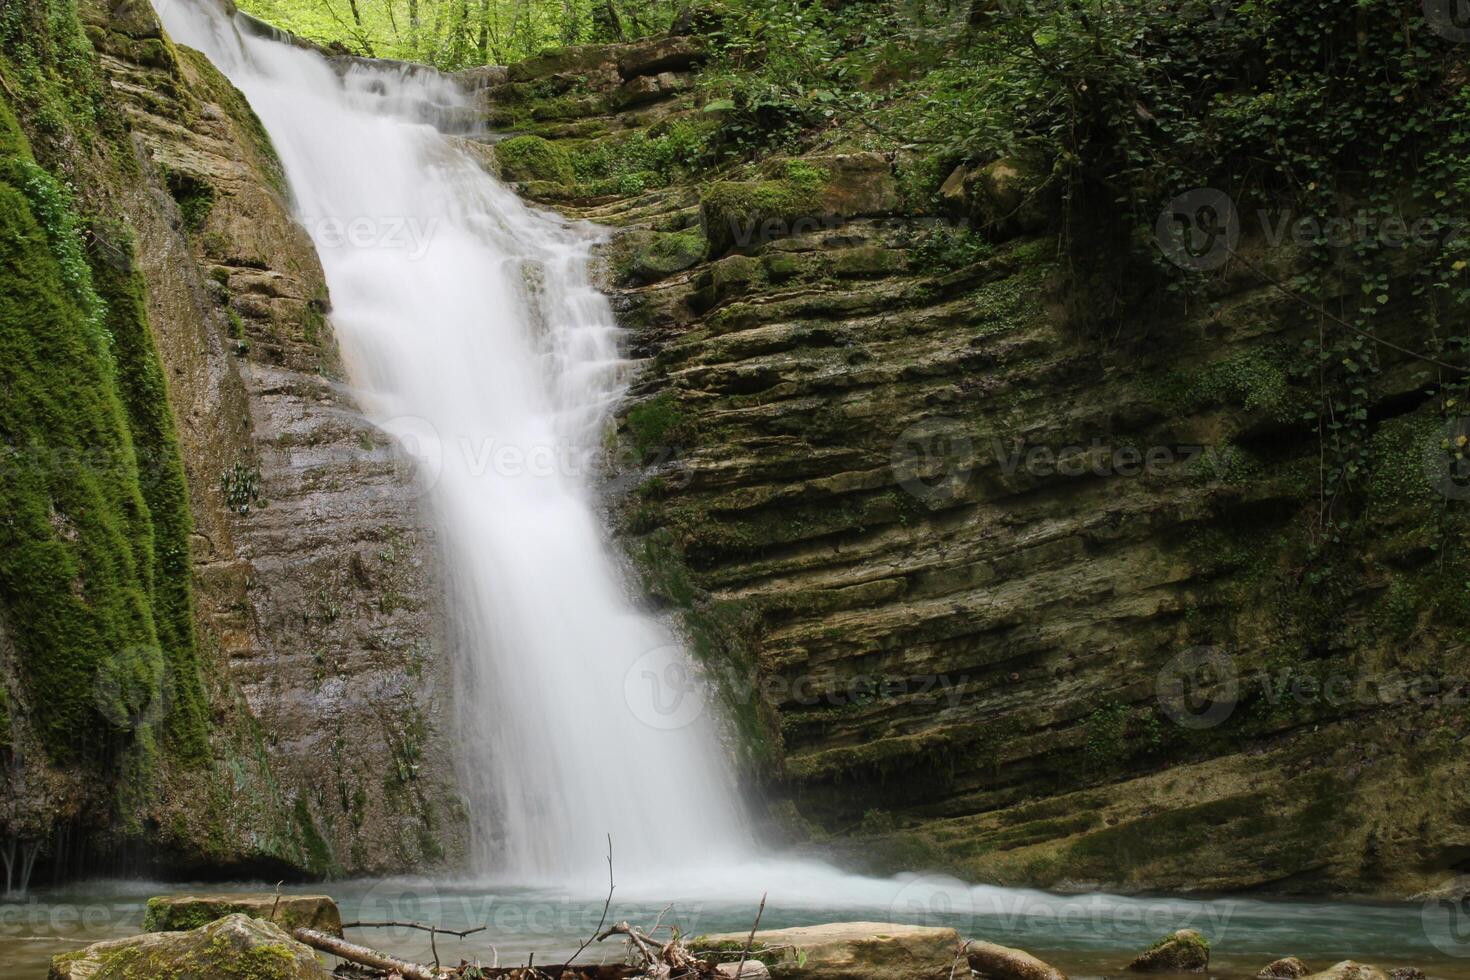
pixel 472 333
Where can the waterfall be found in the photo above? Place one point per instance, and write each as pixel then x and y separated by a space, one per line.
pixel 472 333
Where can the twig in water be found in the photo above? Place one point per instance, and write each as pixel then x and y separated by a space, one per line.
pixel 277 902
pixel 605 906
pixel 413 925
pixel 740 970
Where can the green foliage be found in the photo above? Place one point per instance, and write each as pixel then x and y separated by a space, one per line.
pixel 655 424
pixel 453 34
pixel 524 158
pixel 93 550
pixel 652 157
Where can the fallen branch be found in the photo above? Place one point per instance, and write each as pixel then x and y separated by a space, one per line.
pixel 750 941
pixel 413 925
pixel 605 905
pixel 364 955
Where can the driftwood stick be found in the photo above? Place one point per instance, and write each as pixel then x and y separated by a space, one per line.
pixel 605 905
pixel 638 939
pixel 364 955
pixel 413 925
pixel 750 940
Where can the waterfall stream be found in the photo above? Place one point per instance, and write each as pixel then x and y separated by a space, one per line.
pixel 472 333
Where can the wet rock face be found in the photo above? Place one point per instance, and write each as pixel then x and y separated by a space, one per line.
pixel 312 555
pixel 236 946
pixel 959 567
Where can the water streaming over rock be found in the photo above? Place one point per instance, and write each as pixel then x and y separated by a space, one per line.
pixel 473 334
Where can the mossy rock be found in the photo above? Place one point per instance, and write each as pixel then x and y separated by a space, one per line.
pixel 236 947
pixel 528 158
pixel 176 912
pixel 1184 951
pixel 741 214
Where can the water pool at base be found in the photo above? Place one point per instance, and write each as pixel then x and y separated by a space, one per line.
pixel 1085 935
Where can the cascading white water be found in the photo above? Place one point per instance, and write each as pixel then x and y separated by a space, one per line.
pixel 472 332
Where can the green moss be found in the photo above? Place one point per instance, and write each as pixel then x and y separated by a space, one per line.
pixel 525 158
pixel 656 424
pixel 744 213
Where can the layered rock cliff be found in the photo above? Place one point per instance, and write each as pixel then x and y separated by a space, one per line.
pixel 306 645
pixel 981 590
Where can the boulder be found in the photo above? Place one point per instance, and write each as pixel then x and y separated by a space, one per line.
pixel 1286 968
pixel 1008 196
pixel 175 912
pixel 1349 970
pixel 657 55
pixel 236 946
pixel 1183 951
pixel 1004 963
pixel 847 951
pixel 749 970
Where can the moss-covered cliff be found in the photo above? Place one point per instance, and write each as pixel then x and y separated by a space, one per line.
pixel 202 671
pixel 961 496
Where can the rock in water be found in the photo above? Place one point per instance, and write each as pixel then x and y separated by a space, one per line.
pixel 1183 951
pixel 847 951
pixel 236 947
pixel 1286 968
pixel 175 912
pixel 1004 963
pixel 1349 970
pixel 749 970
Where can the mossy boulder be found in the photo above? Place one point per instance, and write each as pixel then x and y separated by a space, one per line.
pixel 528 158
pixel 175 912
pixel 237 947
pixel 1349 970
pixel 999 962
pixel 1184 951
pixel 847 951
pixel 743 214
pixel 1286 968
